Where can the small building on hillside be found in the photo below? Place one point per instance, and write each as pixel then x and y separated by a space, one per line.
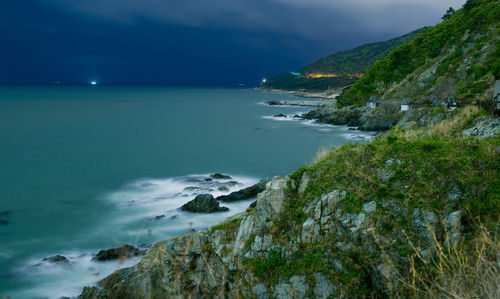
pixel 404 105
pixel 496 94
pixel 372 102
pixel 451 103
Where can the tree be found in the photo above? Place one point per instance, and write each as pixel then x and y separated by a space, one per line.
pixel 448 13
pixel 470 4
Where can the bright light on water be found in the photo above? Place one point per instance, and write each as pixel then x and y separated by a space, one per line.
pixel 93 83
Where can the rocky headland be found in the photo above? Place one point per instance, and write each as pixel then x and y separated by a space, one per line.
pixel 382 118
pixel 371 220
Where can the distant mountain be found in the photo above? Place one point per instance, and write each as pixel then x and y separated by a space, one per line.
pixel 337 70
pixel 459 57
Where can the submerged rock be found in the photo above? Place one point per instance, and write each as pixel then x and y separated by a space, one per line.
pixel 280 115
pixel 204 203
pixel 223 189
pixel 123 252
pixel 245 193
pixel 160 217
pixel 57 259
pixel 4 222
pixel 5 213
pixel 219 176
pixel 197 189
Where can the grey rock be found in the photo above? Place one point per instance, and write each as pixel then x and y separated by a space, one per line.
pixel 370 207
pixel 269 206
pixel 245 193
pixel 386 173
pixel 386 277
pixel 260 290
pixel 297 288
pixel 425 223
pixel 454 228
pixel 57 259
pixel 310 230
pixel 122 252
pixel 486 128
pixel 204 203
pixel 323 287
pixel 306 178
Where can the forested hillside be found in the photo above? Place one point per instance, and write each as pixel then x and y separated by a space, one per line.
pixel 459 57
pixel 337 70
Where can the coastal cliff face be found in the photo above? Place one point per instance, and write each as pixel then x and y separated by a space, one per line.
pixel 365 220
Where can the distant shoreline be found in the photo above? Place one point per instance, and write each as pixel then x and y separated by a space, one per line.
pixel 328 95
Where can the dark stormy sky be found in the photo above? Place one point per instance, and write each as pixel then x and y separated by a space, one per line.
pixel 191 42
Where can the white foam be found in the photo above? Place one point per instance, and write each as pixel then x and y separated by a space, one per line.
pixel 130 221
pixel 54 280
pixel 359 136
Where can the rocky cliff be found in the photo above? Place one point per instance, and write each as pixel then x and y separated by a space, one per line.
pixel 369 220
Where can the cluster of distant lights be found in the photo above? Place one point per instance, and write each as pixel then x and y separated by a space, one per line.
pixel 93 82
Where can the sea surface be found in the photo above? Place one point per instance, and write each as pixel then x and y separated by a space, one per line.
pixel 85 168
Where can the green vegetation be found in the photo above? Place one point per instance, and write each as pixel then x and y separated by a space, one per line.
pixel 432 169
pixel 231 225
pixel 357 60
pixel 344 63
pixel 469 36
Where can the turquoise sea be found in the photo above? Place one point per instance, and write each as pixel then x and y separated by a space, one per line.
pixel 85 168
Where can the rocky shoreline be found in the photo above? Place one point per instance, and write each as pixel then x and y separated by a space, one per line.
pixel 302 103
pixel 231 258
pixel 382 118
pixel 328 94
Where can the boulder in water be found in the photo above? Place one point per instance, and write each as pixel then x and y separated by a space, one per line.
pixel 219 176
pixel 57 259
pixel 160 217
pixel 246 193
pixel 123 252
pixel 204 203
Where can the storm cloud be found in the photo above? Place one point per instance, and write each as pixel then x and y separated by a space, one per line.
pixel 197 41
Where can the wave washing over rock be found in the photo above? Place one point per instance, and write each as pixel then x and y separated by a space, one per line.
pixel 335 228
pixel 214 263
pixel 144 212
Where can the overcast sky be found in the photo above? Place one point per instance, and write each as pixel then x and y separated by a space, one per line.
pixel 191 42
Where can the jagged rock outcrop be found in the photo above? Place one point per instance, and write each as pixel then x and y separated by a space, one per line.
pixel 382 118
pixel 57 259
pixel 486 128
pixel 246 193
pixel 218 263
pixel 122 252
pixel 203 203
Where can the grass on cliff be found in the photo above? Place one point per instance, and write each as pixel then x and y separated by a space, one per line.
pixel 465 271
pixel 434 169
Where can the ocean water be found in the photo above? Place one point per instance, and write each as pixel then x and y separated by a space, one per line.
pixel 87 168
